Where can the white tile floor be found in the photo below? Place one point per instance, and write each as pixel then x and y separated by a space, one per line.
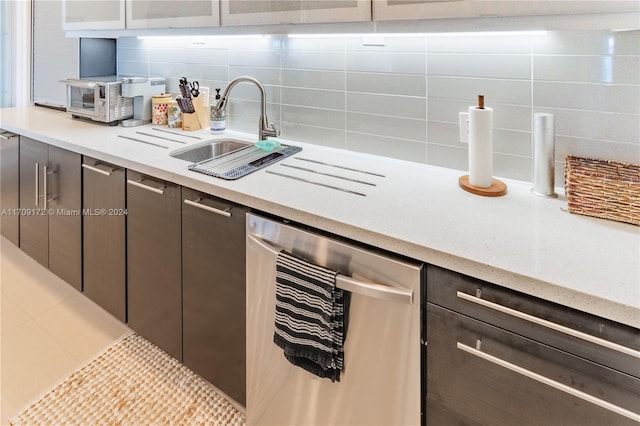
pixel 47 330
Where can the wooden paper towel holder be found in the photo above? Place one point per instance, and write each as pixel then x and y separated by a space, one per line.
pixel 497 188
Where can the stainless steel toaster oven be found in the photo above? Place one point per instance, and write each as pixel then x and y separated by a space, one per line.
pixel 99 99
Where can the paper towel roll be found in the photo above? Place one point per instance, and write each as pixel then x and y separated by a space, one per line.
pixel 543 155
pixel 480 146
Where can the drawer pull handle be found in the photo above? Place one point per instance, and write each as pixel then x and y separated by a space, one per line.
pixel 207 208
pixel 547 381
pixel 97 170
pixel 551 325
pixel 139 184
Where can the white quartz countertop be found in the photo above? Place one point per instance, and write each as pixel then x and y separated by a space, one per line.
pixel 520 241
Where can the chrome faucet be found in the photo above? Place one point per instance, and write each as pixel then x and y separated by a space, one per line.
pixel 265 129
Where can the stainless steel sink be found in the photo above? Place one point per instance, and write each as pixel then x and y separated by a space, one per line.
pixel 209 149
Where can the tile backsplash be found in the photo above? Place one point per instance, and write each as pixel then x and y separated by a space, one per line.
pixel 400 97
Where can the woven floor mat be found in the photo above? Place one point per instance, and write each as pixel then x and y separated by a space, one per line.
pixel 132 383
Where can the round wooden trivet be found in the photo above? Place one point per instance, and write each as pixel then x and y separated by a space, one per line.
pixel 497 188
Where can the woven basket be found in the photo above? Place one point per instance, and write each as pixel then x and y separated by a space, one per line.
pixel 601 188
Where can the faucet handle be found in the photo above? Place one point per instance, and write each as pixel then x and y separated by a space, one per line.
pixel 273 131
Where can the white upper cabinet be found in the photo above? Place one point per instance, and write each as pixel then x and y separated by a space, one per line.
pixel 257 12
pixel 110 14
pixel 437 9
pixel 93 15
pixel 172 13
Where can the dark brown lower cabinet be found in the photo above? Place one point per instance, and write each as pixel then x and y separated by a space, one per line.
pixel 50 203
pixel 497 357
pixel 154 255
pixel 34 223
pixel 10 186
pixel 65 222
pixel 213 285
pixel 104 237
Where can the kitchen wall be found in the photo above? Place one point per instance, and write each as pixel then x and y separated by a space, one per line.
pixel 400 97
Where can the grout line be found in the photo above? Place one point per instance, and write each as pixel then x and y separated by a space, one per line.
pixel 346 92
pixel 531 100
pixel 426 98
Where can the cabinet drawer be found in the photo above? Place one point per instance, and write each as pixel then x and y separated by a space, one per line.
pixel 482 374
pixel 606 342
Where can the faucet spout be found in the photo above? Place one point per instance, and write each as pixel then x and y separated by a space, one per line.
pixel 265 129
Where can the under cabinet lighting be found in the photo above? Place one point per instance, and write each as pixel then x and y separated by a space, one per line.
pixel 405 35
pixel 372 36
pixel 205 37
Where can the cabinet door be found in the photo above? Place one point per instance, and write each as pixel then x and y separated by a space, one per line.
pixel 65 217
pixel 213 281
pixel 434 9
pixel 479 374
pixel 154 274
pixel 93 15
pixel 253 12
pixel 172 14
pixel 104 258
pixel 10 186
pixel 34 223
pixel 421 9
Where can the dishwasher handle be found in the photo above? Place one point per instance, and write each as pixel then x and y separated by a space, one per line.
pixel 378 291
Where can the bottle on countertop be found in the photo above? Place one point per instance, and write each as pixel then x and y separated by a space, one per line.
pixel 218 118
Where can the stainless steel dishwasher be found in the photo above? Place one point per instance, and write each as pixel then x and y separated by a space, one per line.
pixel 380 382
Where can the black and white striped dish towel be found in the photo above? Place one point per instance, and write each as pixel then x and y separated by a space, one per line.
pixel 310 316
